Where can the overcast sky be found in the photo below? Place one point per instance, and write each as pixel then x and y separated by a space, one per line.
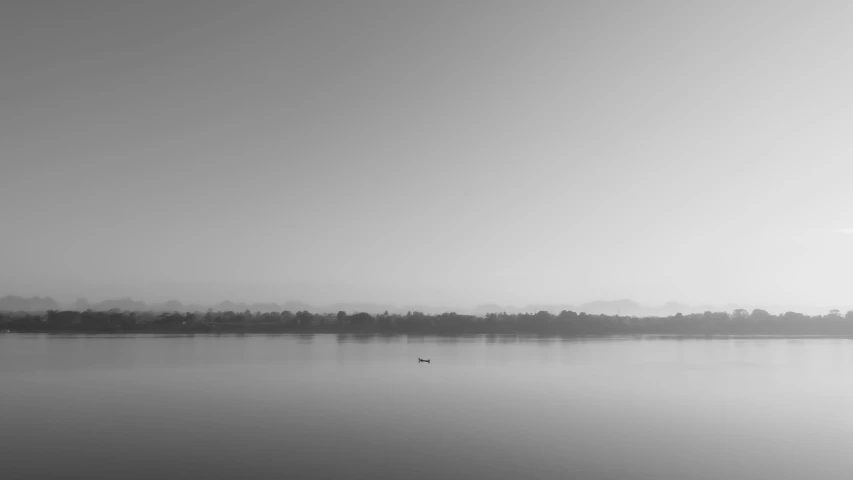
pixel 444 153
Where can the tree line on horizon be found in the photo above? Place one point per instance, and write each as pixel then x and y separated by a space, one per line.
pixel 738 322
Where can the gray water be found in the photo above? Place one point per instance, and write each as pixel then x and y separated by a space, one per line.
pixel 490 407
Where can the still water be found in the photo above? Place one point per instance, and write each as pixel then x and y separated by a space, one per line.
pixel 490 407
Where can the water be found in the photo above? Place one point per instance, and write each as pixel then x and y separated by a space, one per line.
pixel 491 407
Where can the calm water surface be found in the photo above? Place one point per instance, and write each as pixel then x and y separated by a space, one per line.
pixel 490 407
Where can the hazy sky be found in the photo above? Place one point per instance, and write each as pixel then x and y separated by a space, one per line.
pixel 427 152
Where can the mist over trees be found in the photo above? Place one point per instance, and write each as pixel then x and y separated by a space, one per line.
pixel 13 303
pixel 621 307
pixel 565 323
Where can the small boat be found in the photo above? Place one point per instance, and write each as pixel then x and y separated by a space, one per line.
pixel 422 360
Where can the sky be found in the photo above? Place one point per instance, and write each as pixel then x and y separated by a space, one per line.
pixel 436 153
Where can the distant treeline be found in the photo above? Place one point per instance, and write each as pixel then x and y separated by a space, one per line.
pixel 738 322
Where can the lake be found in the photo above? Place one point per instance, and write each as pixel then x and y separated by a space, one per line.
pixel 487 407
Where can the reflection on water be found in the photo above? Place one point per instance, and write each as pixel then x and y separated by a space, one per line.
pixel 304 338
pixel 492 406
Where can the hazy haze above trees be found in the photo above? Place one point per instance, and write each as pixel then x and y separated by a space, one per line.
pixel 622 307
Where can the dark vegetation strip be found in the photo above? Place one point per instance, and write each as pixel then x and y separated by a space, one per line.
pixel 566 323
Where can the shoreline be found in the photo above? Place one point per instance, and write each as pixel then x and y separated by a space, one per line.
pixel 522 335
pixel 564 324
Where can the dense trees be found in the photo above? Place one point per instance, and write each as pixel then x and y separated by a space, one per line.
pixel 739 322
